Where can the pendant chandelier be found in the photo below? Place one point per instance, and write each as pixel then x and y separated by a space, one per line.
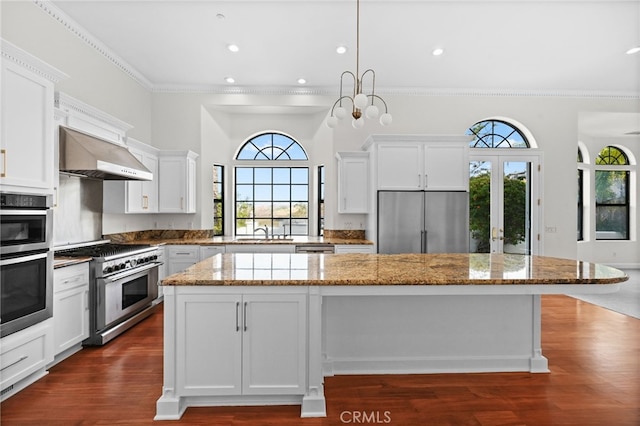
pixel 359 100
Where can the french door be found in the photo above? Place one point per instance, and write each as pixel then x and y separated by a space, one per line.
pixel 504 203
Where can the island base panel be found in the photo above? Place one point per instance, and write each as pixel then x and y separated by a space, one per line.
pixel 432 334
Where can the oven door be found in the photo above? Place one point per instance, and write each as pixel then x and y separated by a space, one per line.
pixel 122 295
pixel 25 230
pixel 26 290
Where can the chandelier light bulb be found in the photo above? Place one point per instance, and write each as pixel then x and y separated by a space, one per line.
pixel 357 124
pixel 332 121
pixel 360 101
pixel 386 119
pixel 372 112
pixel 340 113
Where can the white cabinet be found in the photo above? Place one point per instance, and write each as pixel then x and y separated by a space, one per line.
pixel 261 248
pixel 354 248
pixel 70 308
pixel 26 124
pixel 134 196
pixel 431 163
pixel 177 182
pixel 180 257
pixel 353 182
pixel 241 344
pixel 208 251
pixel 24 356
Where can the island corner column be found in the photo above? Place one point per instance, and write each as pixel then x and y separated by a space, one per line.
pixel 313 402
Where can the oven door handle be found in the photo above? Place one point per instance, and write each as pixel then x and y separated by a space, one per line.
pixel 22 259
pixel 124 274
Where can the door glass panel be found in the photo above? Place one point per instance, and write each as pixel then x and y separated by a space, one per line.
pixel 516 214
pixel 480 206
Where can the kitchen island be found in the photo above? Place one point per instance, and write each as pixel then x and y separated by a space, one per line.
pixel 259 329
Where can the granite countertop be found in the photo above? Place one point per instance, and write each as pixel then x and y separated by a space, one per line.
pixel 380 269
pixel 213 241
pixel 62 261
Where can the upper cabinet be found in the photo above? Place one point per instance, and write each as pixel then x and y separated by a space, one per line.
pixel 353 182
pixel 27 131
pixel 428 163
pixel 177 181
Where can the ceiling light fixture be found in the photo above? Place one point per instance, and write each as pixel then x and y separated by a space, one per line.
pixel 359 100
pixel 341 50
pixel 437 51
pixel 230 80
pixel 302 81
pixel 633 50
pixel 233 48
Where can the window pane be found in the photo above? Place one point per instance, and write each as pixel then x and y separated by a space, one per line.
pixel 281 175
pixel 282 210
pixel 281 192
pixel 244 209
pixel 300 175
pixel 263 210
pixel 217 191
pixel 611 222
pixel 300 210
pixel 263 192
pixel 300 192
pixel 244 192
pixel 611 187
pixel 299 227
pixel 244 174
pixel 262 175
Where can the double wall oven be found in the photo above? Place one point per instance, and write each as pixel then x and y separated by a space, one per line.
pixel 26 261
pixel 123 286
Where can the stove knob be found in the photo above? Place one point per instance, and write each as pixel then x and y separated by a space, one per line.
pixel 107 270
pixel 133 262
pixel 154 257
pixel 122 266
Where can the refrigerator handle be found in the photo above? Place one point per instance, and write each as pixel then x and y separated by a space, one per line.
pixel 426 240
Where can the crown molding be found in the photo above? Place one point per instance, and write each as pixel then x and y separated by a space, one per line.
pixel 71 25
pixel 68 104
pixel 26 60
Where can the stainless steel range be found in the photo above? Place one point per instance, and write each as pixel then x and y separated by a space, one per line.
pixel 123 286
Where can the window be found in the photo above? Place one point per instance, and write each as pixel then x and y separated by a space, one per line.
pixel 580 197
pixel 612 195
pixel 321 200
pixel 270 195
pixel 496 134
pixel 218 200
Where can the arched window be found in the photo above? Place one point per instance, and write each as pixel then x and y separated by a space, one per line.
pixel 271 200
pixel 271 146
pixel 612 194
pixel 496 134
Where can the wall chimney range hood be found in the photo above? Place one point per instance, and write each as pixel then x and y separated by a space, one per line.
pixel 82 154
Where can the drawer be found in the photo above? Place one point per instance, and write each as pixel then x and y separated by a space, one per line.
pixel 25 352
pixel 184 252
pixel 70 277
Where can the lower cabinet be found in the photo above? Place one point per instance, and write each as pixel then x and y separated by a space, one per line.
pixel 241 344
pixel 354 248
pixel 70 308
pixel 180 257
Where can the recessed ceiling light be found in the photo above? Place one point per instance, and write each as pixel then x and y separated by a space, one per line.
pixel 220 16
pixel 302 81
pixel 341 50
pixel 633 50
pixel 230 80
pixel 233 48
pixel 437 51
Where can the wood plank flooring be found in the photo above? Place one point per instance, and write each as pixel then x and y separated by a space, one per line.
pixel 594 357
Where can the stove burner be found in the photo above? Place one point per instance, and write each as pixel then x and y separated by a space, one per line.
pixel 103 250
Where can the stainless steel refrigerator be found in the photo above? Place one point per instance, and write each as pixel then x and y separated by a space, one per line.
pixel 423 222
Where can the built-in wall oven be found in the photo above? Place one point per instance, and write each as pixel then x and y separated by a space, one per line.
pixel 26 261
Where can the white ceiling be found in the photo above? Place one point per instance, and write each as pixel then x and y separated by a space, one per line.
pixel 499 46
pixel 508 47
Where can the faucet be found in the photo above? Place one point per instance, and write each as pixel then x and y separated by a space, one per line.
pixel 265 229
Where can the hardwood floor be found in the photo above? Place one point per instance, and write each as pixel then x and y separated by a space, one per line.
pixel 594 357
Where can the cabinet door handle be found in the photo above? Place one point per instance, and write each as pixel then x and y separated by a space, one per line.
pixel 237 316
pixel 426 180
pixel 22 358
pixel 181 203
pixel 244 318
pixel 145 202
pixel 3 152
pixel 419 179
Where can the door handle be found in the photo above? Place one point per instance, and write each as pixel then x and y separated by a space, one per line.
pixel 245 316
pixel 3 152
pixel 237 316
